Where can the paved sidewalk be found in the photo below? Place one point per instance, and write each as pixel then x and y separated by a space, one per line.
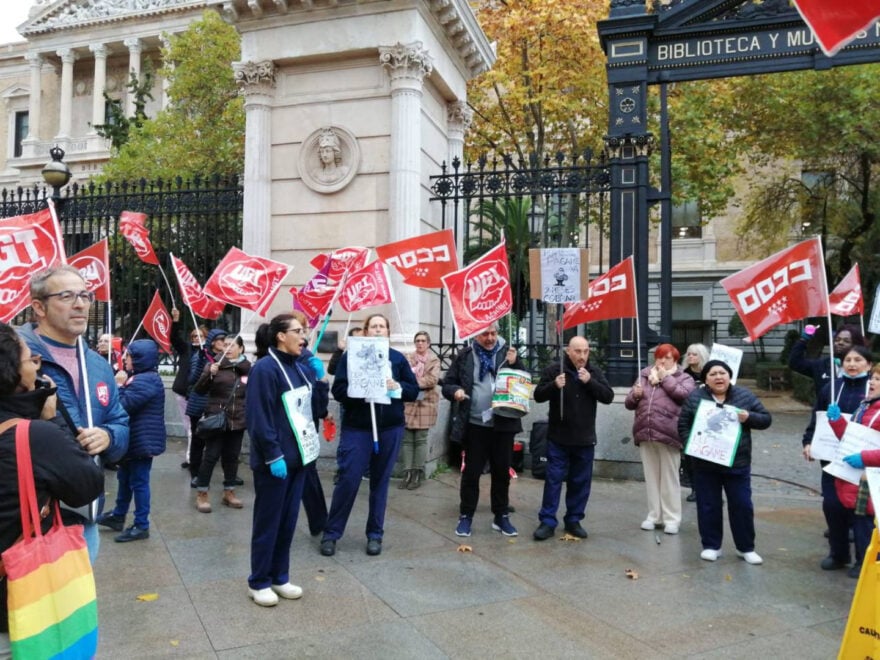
pixel 513 597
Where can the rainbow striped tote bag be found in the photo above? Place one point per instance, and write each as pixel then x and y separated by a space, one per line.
pixel 53 611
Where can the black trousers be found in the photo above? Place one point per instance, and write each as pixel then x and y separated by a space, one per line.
pixel 223 446
pixel 484 443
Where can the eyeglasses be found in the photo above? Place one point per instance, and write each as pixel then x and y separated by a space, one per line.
pixel 296 331
pixel 68 297
pixel 35 359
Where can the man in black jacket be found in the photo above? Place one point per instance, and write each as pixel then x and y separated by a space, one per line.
pixel 571 435
pixel 470 384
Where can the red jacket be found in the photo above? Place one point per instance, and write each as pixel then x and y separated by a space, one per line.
pixel 847 493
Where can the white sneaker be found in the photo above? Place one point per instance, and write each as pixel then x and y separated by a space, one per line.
pixel 751 557
pixel 710 555
pixel 670 528
pixel 648 525
pixel 288 591
pixel 263 597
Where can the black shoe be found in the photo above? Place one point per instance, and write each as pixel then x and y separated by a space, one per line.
pixel 238 482
pixel 116 523
pixel 133 534
pixel 374 547
pixel 543 532
pixel 328 547
pixel 854 571
pixel 184 465
pixel 575 529
pixel 692 497
pixel 832 564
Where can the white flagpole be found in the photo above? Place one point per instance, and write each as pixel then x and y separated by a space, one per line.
pixel 828 316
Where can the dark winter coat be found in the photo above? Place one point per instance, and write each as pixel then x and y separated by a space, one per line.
pixel 657 410
pixel 226 391
pixel 196 401
pixel 739 397
pixel 819 369
pixel 848 392
pixel 388 415
pixel 143 397
pixel 575 424
pixel 460 375
pixel 184 351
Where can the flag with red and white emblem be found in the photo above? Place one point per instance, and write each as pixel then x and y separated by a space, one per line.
pixel 480 293
pixel 157 323
pixel 612 296
pixel 133 226
pixel 93 264
pixel 246 281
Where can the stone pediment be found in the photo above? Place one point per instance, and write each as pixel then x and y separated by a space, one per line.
pixel 52 15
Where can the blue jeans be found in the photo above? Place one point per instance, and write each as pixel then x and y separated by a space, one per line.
pixel 355 455
pixel 737 486
pixel 133 477
pixel 574 466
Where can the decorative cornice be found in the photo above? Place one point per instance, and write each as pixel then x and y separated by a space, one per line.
pixel 255 77
pixel 459 115
pixel 640 144
pixel 47 15
pixel 406 62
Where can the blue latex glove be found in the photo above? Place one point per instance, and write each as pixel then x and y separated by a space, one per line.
pixel 854 460
pixel 318 366
pixel 833 412
pixel 278 469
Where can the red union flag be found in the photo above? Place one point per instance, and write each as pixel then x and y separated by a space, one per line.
pixel 835 24
pixel 93 264
pixel 341 261
pixel 784 287
pixel 29 244
pixel 315 297
pixel 422 260
pixel 367 287
pixel 612 296
pixel 846 299
pixel 133 226
pixel 157 323
pixel 191 291
pixel 480 294
pixel 247 282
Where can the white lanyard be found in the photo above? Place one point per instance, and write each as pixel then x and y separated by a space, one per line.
pixel 284 373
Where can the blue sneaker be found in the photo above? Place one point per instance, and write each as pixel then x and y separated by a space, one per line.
pixel 464 526
pixel 502 524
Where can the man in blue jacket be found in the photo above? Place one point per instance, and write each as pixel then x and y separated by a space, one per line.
pixel 89 402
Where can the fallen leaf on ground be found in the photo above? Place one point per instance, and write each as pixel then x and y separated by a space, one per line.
pixel 320 578
pixel 631 574
pixel 728 577
pixel 175 642
pixel 569 537
pixel 148 597
pixel 465 548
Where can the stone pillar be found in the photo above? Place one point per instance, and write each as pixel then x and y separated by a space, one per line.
pixel 68 57
pixel 98 107
pixel 407 65
pixel 36 64
pixel 257 81
pixel 135 47
pixel 458 119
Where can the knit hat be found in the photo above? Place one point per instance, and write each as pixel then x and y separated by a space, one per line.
pixel 715 363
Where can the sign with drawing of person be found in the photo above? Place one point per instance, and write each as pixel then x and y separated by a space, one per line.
pixel 558 275
pixel 368 368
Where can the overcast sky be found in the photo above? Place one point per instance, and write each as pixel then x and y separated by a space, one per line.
pixel 15 12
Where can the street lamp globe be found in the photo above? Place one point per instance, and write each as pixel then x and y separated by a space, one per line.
pixel 56 173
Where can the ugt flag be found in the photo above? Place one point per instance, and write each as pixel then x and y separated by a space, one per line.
pixel 247 282
pixel 836 22
pixel 133 226
pixel 93 264
pixel 612 296
pixel 422 260
pixel 846 299
pixel 157 323
pixel 191 291
pixel 367 287
pixel 31 243
pixel 341 261
pixel 784 287
pixel 480 294
pixel 316 296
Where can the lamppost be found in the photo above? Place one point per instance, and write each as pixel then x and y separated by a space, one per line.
pixel 56 173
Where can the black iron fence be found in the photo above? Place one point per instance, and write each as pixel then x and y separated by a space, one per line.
pixel 553 203
pixel 198 221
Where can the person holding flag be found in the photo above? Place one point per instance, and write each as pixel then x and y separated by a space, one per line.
pixel 822 369
pixel 88 398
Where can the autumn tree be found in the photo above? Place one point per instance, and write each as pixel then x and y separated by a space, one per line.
pixel 202 130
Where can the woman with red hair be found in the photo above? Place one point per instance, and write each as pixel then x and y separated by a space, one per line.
pixel 657 398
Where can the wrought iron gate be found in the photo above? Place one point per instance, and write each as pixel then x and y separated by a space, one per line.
pixel 553 203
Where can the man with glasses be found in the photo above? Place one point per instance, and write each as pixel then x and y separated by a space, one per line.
pixel 61 305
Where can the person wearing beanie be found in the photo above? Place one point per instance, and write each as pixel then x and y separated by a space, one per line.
pixel 713 481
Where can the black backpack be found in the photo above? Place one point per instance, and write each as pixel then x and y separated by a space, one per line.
pixel 538 448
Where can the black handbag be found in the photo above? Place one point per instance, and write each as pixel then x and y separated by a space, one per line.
pixel 209 423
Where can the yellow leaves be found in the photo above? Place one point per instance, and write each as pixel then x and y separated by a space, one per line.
pixel 631 573
pixel 569 537
pixel 465 548
pixel 148 598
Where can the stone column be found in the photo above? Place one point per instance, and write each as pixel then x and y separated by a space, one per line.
pixel 135 47
pixel 257 81
pixel 68 57
pixel 36 63
pixel 98 107
pixel 458 119
pixel 407 65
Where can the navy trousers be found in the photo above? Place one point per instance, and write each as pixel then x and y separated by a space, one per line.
pixel 355 455
pixel 737 486
pixel 483 443
pixel 276 507
pixel 133 477
pixel 839 520
pixel 574 466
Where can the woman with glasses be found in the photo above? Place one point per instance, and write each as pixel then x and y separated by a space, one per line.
pixel 359 449
pixel 275 457
pixel 421 414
